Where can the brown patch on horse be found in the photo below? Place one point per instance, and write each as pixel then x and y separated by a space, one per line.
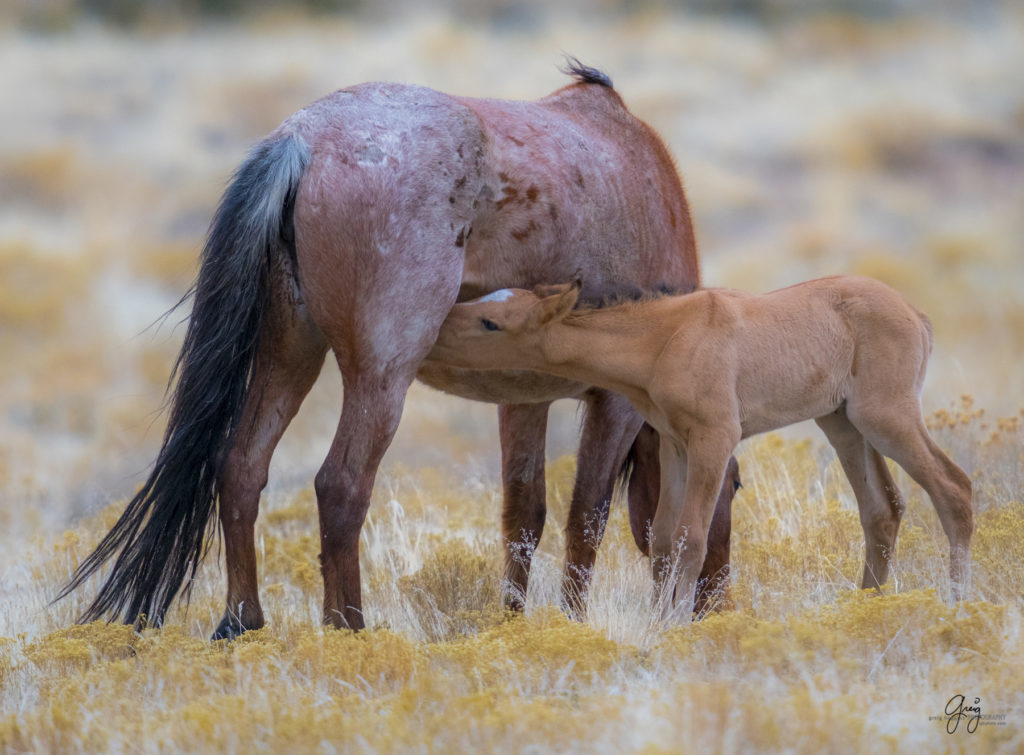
pixel 509 194
pixel 524 233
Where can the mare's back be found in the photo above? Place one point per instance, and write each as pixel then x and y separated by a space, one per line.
pixel 574 181
pixel 528 191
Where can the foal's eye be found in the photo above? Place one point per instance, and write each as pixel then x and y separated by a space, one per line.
pixel 488 324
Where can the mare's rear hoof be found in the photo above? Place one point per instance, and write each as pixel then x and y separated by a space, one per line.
pixel 228 629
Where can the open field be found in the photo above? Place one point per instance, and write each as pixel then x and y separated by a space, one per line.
pixel 809 146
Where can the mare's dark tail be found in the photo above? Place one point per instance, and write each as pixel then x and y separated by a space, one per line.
pixel 163 534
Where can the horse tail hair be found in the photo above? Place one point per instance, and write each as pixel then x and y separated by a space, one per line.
pixel 161 538
pixel 626 470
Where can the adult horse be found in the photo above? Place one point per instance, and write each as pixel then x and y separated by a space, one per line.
pixel 354 227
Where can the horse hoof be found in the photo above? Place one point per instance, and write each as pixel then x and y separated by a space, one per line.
pixel 228 629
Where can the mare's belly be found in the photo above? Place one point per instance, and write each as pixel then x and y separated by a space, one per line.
pixel 498 387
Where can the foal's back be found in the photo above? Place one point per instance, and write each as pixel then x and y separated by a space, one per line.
pixel 801 352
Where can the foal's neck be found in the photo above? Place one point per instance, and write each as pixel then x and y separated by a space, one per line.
pixel 614 348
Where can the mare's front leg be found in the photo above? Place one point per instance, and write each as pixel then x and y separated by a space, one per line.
pixel 522 428
pixel 609 428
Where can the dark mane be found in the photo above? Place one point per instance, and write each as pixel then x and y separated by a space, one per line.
pixel 620 295
pixel 585 74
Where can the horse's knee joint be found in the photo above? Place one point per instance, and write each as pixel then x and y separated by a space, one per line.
pixel 239 477
pixel 966 488
pixel 339 533
pixel 883 525
pixel 342 503
pixel 333 485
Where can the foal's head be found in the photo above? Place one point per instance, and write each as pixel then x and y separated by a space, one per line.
pixel 502 330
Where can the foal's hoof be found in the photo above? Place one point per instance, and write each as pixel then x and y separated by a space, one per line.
pixel 229 628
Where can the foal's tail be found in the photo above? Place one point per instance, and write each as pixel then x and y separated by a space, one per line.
pixel 164 532
pixel 927 344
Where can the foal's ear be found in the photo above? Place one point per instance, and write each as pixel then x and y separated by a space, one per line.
pixel 560 303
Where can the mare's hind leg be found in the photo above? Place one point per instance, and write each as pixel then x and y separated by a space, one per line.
pixel 610 425
pixel 290 356
pixel 372 408
pixel 878 499
pixel 379 337
pixel 522 428
pixel 898 431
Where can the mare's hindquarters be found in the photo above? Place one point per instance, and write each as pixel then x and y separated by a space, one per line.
pixel 380 223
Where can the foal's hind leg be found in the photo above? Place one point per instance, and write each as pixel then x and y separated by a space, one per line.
pixel 522 428
pixel 878 499
pixel 290 356
pixel 899 433
pixel 610 425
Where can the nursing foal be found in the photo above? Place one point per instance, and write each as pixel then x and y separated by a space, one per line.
pixel 710 368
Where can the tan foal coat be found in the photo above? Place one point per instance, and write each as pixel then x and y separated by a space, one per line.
pixel 710 368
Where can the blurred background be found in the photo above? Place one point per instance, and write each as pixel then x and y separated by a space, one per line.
pixel 882 138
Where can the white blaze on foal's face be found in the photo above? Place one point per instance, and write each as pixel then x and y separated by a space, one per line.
pixel 501 295
pixel 499 330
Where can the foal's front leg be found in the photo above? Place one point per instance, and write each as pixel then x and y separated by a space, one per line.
pixel 672 459
pixel 688 516
pixel 644 484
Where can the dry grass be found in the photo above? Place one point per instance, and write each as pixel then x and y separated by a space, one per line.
pixel 804 660
pixel 811 146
